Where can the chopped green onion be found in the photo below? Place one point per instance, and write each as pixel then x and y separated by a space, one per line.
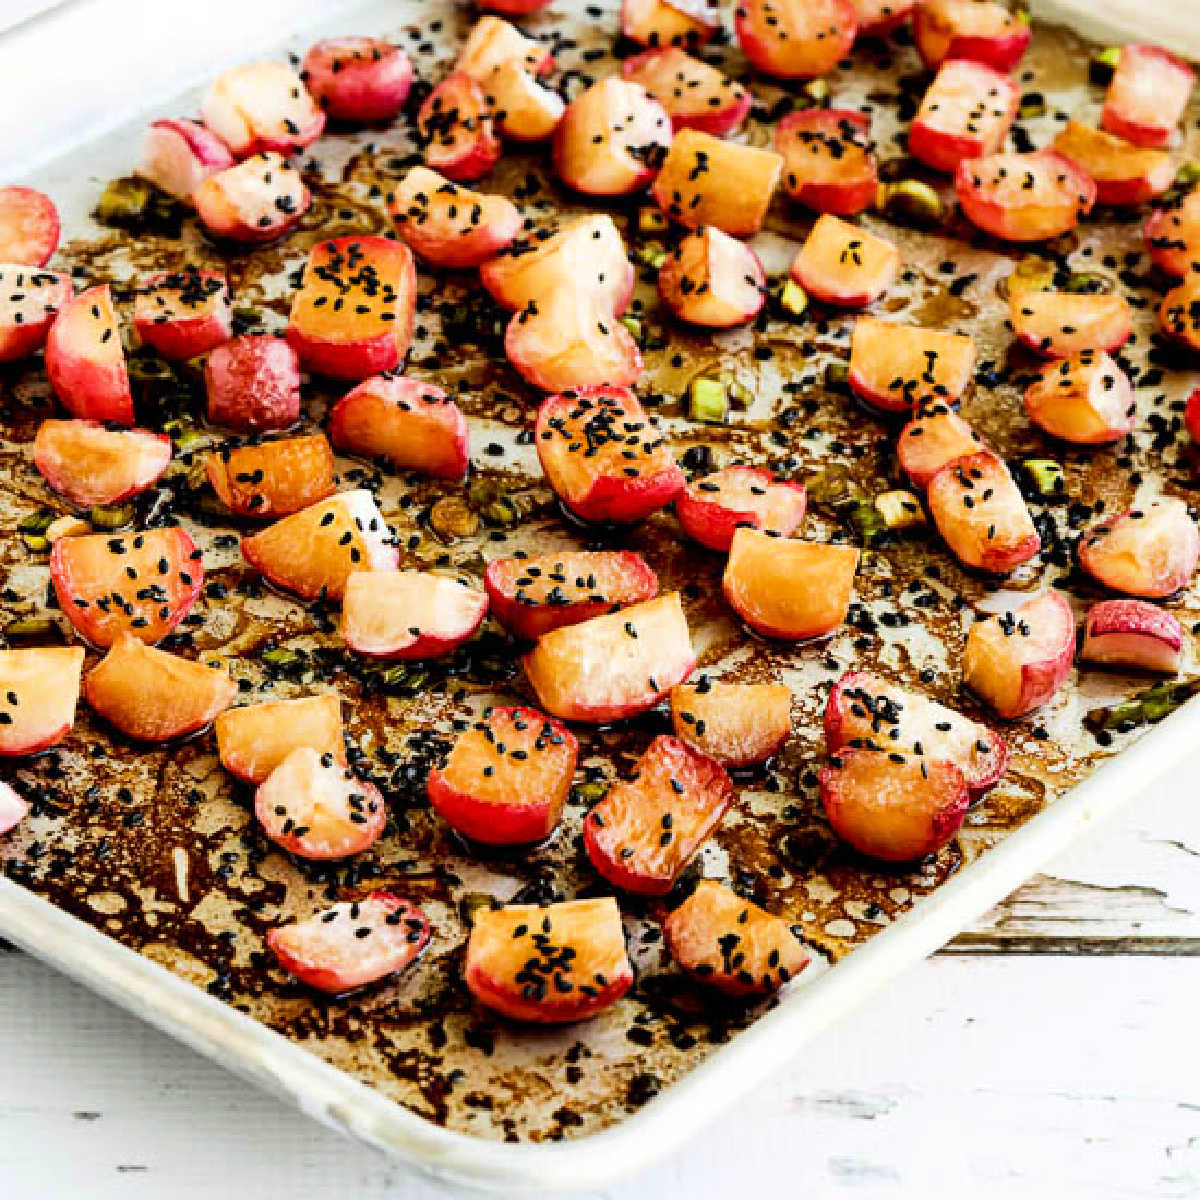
pixel 707 400
pixel 900 510
pixel 792 299
pixel 651 220
pixel 1103 64
pixel 1046 477
pixel 1146 708
pixel 30 627
pixel 910 201
pixel 110 516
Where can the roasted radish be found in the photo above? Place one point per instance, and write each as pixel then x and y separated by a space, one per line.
pixel 259 200
pixel 1125 175
pixel 937 435
pixel 1173 235
pixel 359 79
pixel 85 361
pixel 900 367
pixel 13 810
pixel 266 480
pixel 253 741
pixel 253 384
pixel 980 30
pixel 713 508
pixel 492 42
pixel 735 724
pixel 712 280
pixel 844 265
pixel 966 113
pixel 179 155
pixel 795 39
pixel 1134 635
pixel 1179 312
pixel 1147 95
pixel 262 106
pixel 524 109
pixel 39 689
pixel 1086 399
pixel 1148 551
pixel 695 94
pixel 91 464
pixel 29 227
pixel 1024 197
pixel 184 313
pixel 1062 324
pixel 456 128
pixel 29 303
pixel 828 162
pixel 670 22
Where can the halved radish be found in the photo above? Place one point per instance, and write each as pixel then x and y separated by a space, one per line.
pixel 184 313
pixel 506 778
pixel 272 479
pixel 153 696
pixel 449 225
pixel 352 944
pixel 894 807
pixel 1132 634
pixel 314 551
pixel 353 315
pixel 1086 399
pixel 615 666
pixel 735 724
pixel 530 596
pixel 795 39
pixel 966 113
pixel 253 384
pixel 29 227
pixel 1173 235
pixel 409 614
pixel 1024 197
pixel 85 361
pixel 707 181
pixel 456 128
pixel 493 42
pixel 670 22
pixel 828 161
pixel 262 106
pixel 358 79
pixel 30 301
pixel 252 741
pixel 39 689
pixel 937 435
pixel 1125 175
pixel 732 945
pixel 604 458
pixel 612 139
pixel 1179 312
pixel 981 30
pixel 1016 661
pixel 1148 551
pixel 140 583
pixel 1147 95
pixel 844 265
pixel 877 18
pixel 313 807
pixel 13 810
pixel 713 508
pixel 713 280
pixel 412 424
pixel 259 200
pixel 179 155
pixel 554 964
pixel 695 94
pixel 1062 324
pixel 901 367
pixel 646 829
pixel 91 464
pixel 981 514
pixel 788 589
pixel 867 712
pixel 524 109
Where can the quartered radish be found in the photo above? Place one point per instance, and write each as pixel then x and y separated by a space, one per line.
pixel 85 361
pixel 1024 197
pixel 184 313
pixel 980 30
pixel 262 106
pixel 1062 324
pixel 359 79
pixel 670 22
pixel 13 810
pixel 252 741
pixel 30 301
pixel 524 109
pixel 1125 175
pixel 266 480
pixel 90 463
pixel 253 384
pixel 828 160
pixel 735 724
pixel 695 94
pixel 1133 635
pixel 712 280
pixel 492 42
pixel 39 689
pixel 456 128
pixel 179 155
pixel 844 265
pixel 1173 235
pixel 937 435
pixel 1147 95
pixel 29 227
pixel 966 113
pixel 1148 551
pixel 714 507
pixel 901 367
pixel 1086 399
pixel 1179 312
pixel 795 39
pixel 259 200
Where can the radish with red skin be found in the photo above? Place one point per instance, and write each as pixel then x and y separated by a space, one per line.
pixel 184 314
pixel 548 965
pixel 153 696
pixel 506 778
pixel 828 162
pixel 1133 635
pixel 1063 324
pixel 13 810
pixel 878 18
pixel 981 514
pixel 252 741
pixel 795 39
pixel 612 667
pixel 1147 95
pixel 30 300
pixel 1125 175
pixel 353 315
pixel 893 807
pixel 313 552
pixel 727 943
pixel 524 109
pixel 713 280
pixel 179 155
pixel 456 128
pixel 412 424
pixel 1017 661
pixel 257 201
pixel 493 42
pixel 29 227
pixel 604 458
pixel 935 436
pixel 1149 551
pixel 1086 400
pixel 788 589
pixel 657 23
pixel 966 113
pixel 513 8
pixel 713 508
pixel 646 829
pixel 253 384
pixel 530 596
pixel 979 30
pixel 901 367
pixel 695 94
pixel 358 79
pixel 85 360
pixel 867 712
pixel 1179 312
pixel 1191 416
pixel 353 944
pixel 262 106
pixel 735 724
pixel 141 583
pixel 1024 197
pixel 449 225
pixel 844 265
pixel 268 480
pixel 91 464
pixel 1173 236
pixel 45 684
